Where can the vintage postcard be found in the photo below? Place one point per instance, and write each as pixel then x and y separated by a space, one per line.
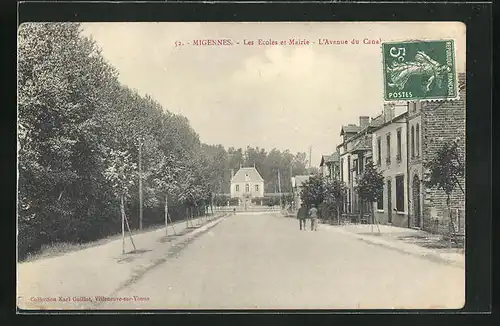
pixel 286 165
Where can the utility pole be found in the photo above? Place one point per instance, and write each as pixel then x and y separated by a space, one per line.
pixel 292 203
pixel 140 183
pixel 279 185
pixel 310 157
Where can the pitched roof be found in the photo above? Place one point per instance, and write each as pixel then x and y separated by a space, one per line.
pixel 384 123
pixel 324 159
pixel 377 121
pixel 350 129
pixel 300 179
pixel 335 157
pixel 247 174
pixel 364 144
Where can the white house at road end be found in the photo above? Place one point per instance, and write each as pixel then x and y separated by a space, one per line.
pixel 246 184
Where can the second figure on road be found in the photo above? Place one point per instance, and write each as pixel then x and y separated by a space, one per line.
pixel 313 215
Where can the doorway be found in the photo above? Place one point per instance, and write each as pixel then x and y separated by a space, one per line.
pixel 389 201
pixel 416 202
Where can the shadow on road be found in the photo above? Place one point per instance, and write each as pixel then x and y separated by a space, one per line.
pixel 430 242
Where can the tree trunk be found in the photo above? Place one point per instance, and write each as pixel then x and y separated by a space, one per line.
pixel 373 218
pixel 338 214
pixel 451 229
pixel 360 211
pixel 166 215
pixel 122 209
pixel 130 233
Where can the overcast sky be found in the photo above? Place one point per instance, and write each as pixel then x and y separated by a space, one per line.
pixel 285 97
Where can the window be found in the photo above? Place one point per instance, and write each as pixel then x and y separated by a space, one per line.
pixel 348 168
pixel 379 152
pixel 247 188
pixel 237 187
pixel 341 169
pixel 400 193
pixel 256 188
pixel 417 140
pixel 349 200
pixel 398 135
pixel 412 141
pixel 380 202
pixel 388 156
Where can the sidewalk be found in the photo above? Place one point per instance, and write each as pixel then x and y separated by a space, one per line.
pixel 409 241
pixel 100 270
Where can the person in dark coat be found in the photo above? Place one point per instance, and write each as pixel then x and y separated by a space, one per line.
pixel 302 216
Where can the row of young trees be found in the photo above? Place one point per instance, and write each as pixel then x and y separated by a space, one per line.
pixel 81 134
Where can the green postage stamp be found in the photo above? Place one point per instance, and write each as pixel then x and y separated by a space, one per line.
pixel 419 70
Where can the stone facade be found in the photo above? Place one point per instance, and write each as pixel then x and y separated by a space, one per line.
pixel 423 127
pixel 415 168
pixel 442 122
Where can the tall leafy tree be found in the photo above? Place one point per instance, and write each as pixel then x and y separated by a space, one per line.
pixel 370 187
pixel 313 191
pixel 447 171
pixel 334 196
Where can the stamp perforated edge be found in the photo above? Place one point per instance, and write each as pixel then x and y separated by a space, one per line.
pixel 436 99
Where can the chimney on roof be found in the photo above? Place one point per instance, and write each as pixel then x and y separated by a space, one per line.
pixel 388 112
pixel 364 121
pixel 232 173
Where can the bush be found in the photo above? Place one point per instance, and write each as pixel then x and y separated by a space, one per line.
pixel 233 202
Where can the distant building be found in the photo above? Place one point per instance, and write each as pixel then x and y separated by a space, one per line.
pixel 246 184
pixel 330 166
pixel 297 184
pixel 354 152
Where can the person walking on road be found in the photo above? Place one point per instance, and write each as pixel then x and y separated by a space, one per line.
pixel 313 215
pixel 302 216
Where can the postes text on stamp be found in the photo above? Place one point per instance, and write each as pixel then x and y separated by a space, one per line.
pixel 419 70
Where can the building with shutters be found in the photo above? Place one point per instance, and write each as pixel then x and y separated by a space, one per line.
pixel 354 152
pixel 247 183
pixel 389 147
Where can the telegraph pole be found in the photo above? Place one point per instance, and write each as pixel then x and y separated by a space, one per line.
pixel 140 183
pixel 279 185
pixel 292 203
pixel 310 156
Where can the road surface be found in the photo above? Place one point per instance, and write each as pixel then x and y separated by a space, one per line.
pixel 253 261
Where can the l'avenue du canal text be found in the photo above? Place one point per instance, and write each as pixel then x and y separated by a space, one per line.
pixel 227 42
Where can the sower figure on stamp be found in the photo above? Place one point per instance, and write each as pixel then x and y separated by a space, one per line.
pixel 313 215
pixel 302 216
